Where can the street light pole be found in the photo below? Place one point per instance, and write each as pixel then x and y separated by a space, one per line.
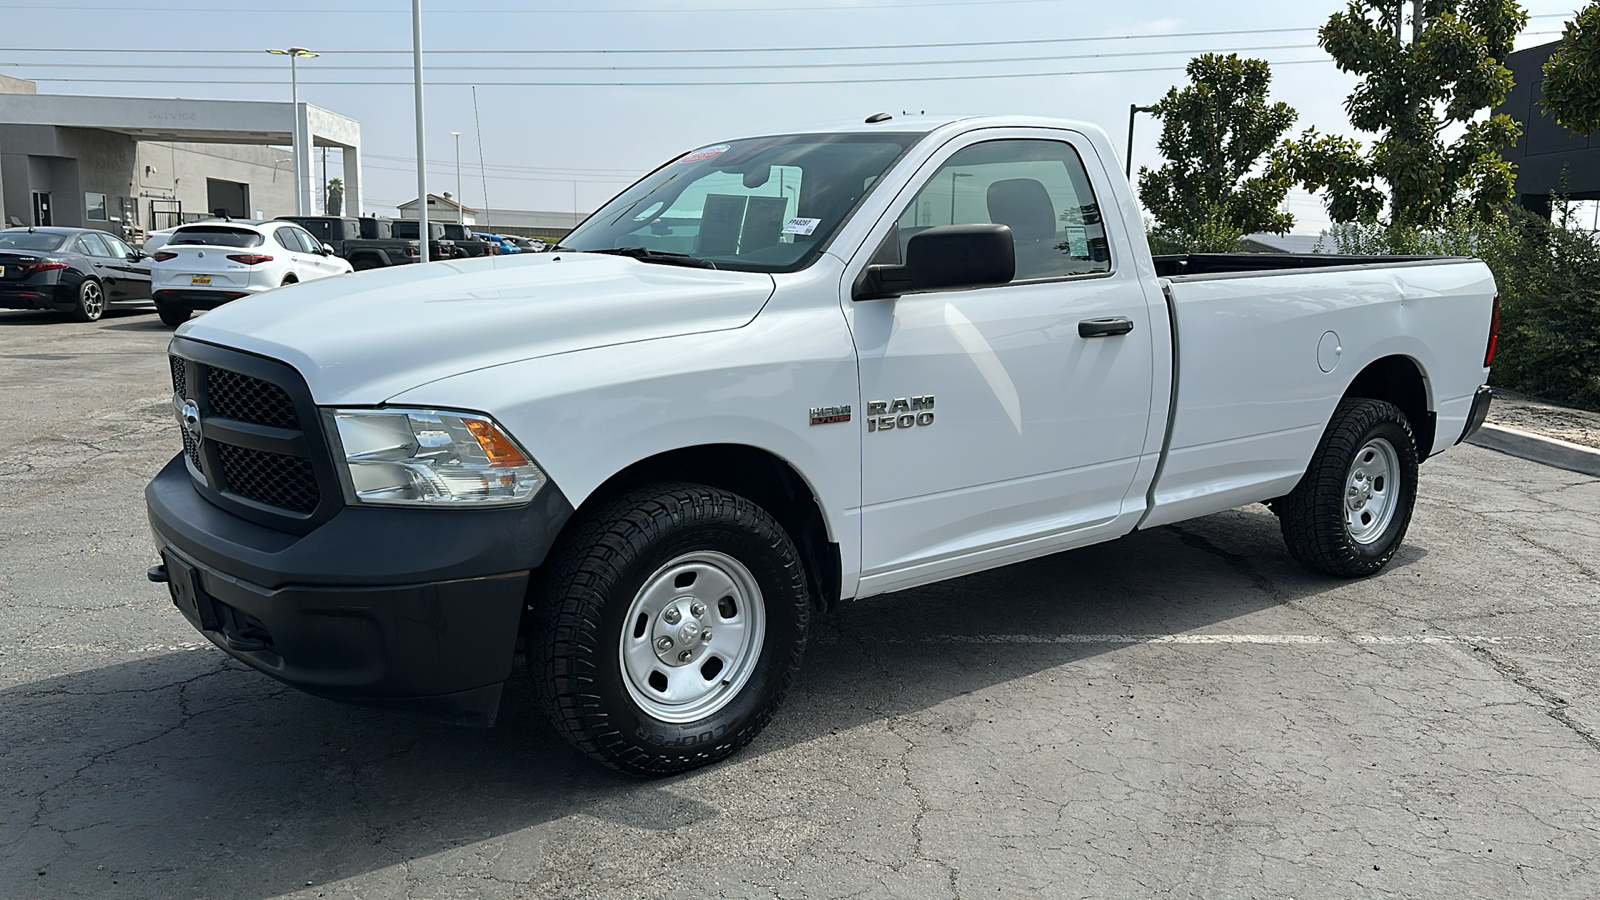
pixel 953 177
pixel 422 148
pixel 1133 110
pixel 459 214
pixel 296 143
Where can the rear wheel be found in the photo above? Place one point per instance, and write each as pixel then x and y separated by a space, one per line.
pixel 1349 513
pixel 363 263
pixel 91 301
pixel 172 316
pixel 667 627
pixel 288 280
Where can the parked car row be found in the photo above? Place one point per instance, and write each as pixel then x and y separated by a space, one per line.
pixel 201 265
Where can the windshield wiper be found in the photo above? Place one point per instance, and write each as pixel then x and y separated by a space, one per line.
pixel 645 254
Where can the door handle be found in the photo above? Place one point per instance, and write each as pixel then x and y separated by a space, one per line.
pixel 1107 327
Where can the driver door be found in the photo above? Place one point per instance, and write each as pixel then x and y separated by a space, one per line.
pixel 994 431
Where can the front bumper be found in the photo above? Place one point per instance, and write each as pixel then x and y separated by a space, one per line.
pixel 409 608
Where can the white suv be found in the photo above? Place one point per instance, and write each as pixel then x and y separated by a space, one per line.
pixel 205 265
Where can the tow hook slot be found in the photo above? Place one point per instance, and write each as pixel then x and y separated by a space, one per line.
pixel 158 574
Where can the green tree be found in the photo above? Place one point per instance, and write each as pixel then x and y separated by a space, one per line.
pixel 335 198
pixel 1214 134
pixel 1412 93
pixel 1572 74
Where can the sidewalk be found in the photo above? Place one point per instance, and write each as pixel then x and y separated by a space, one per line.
pixel 1575 426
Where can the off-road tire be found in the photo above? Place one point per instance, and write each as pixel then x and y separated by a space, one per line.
pixel 173 317
pixel 1312 516
pixel 91 301
pixel 581 600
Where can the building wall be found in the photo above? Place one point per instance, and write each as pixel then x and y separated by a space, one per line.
pixel 178 171
pixel 9 85
pixel 66 162
pixel 1547 156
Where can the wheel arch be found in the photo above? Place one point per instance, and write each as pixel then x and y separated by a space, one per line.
pixel 1400 380
pixel 758 475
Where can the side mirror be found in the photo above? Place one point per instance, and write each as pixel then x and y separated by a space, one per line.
pixel 945 258
pixel 327 249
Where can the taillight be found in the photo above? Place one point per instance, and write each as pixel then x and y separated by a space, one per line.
pixel 1494 334
pixel 35 268
pixel 163 256
pixel 249 259
pixel 412 251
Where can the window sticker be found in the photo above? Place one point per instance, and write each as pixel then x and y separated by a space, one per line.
pixel 707 153
pixel 800 225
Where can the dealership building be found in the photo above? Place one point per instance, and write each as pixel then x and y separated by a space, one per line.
pixel 133 165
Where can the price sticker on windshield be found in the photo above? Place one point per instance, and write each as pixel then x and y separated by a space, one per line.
pixel 800 225
pixel 707 153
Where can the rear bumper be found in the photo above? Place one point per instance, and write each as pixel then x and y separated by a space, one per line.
pixel 1479 412
pixel 184 298
pixel 412 609
pixel 22 295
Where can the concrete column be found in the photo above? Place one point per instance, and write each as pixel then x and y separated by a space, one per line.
pixel 353 204
pixel 305 162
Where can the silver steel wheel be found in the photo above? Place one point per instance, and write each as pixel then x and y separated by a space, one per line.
pixel 92 299
pixel 1372 491
pixel 692 636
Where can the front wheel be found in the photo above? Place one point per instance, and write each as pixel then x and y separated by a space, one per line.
pixel 91 301
pixel 1349 513
pixel 665 630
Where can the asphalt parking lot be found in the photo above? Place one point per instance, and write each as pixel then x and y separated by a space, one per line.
pixel 1183 713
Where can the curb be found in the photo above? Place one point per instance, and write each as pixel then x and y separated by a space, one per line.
pixel 1539 449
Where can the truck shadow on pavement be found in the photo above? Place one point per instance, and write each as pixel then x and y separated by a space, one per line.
pixel 189 775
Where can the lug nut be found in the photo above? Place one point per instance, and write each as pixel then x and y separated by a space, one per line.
pixel 705 636
pixel 664 644
pixel 672 615
pixel 684 656
pixel 697 609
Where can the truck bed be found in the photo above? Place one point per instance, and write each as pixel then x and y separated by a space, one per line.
pixel 1188 264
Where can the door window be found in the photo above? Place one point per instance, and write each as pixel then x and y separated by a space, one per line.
pixel 91 245
pixel 307 243
pixel 118 249
pixel 1037 188
pixel 286 239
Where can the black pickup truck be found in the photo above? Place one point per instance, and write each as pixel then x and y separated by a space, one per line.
pixel 467 243
pixel 367 243
pixel 439 246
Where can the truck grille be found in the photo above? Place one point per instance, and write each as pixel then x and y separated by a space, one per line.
pixel 247 399
pixel 271 478
pixel 262 474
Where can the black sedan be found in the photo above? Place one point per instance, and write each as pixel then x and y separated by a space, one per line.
pixel 78 270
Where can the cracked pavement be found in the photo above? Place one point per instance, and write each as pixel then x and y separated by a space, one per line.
pixel 1034 731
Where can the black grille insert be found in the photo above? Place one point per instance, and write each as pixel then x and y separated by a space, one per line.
pixel 247 399
pixel 180 376
pixel 274 479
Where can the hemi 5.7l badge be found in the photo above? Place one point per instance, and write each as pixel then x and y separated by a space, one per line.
pixel 827 415
pixel 901 412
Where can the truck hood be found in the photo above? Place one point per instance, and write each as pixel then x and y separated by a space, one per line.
pixel 361 339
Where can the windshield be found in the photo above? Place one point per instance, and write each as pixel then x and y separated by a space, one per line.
pixel 216 236
pixel 407 231
pixel 24 240
pixel 760 205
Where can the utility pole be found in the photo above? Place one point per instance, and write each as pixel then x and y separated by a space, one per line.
pixel 459 213
pixel 296 140
pixel 422 144
pixel 1133 111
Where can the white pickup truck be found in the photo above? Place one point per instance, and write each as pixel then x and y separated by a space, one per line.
pixel 775 373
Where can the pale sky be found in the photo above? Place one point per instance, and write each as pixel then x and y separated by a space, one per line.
pixel 544 144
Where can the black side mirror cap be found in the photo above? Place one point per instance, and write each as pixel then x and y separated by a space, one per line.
pixel 947 257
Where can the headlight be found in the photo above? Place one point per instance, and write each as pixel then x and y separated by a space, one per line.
pixel 423 457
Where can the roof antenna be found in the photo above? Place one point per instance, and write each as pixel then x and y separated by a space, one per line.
pixel 875 118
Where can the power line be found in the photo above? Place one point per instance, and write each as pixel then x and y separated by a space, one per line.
pixel 326 9
pixel 675 68
pixel 741 83
pixel 544 169
pixel 680 50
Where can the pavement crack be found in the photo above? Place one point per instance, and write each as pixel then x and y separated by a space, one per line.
pixel 1555 706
